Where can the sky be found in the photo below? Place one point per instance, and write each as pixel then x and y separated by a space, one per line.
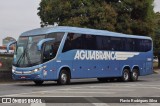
pixel 17 16
pixel 157 5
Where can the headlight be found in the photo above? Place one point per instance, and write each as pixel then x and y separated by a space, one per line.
pixel 13 70
pixel 38 69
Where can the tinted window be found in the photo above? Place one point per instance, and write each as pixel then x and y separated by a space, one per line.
pixel 103 43
pixel 58 37
pixel 97 42
pixel 48 52
pixel 129 45
pixel 117 44
pixel 148 45
pixel 79 41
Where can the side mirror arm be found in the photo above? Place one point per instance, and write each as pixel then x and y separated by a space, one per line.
pixel 41 42
pixel 9 44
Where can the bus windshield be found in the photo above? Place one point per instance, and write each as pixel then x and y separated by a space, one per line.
pixel 26 53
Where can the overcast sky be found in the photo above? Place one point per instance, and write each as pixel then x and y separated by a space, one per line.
pixel 17 16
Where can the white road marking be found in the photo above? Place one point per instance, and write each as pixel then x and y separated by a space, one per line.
pixel 153 104
pixel 96 102
pixel 96 89
pixel 55 91
pixel 38 104
pixel 111 86
pixel 109 89
pixel 126 86
pixel 87 92
pixel 25 93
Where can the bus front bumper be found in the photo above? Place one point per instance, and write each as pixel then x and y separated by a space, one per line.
pixel 34 76
pixel 28 74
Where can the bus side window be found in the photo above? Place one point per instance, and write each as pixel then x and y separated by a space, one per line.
pixel 148 45
pixel 48 52
pixel 68 43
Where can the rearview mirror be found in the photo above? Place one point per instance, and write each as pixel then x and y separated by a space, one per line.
pixel 9 44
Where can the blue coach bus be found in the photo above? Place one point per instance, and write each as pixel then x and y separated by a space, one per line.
pixel 62 53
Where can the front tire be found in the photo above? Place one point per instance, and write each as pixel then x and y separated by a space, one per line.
pixel 125 76
pixel 134 75
pixel 38 82
pixel 64 77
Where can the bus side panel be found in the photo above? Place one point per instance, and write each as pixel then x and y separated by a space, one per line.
pixel 60 64
pixel 81 69
pixel 50 71
pixel 148 63
pixel 104 68
pixel 96 69
pixel 64 60
pixel 143 61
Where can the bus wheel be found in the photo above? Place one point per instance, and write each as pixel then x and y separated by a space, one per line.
pixel 134 75
pixel 125 76
pixel 38 82
pixel 64 77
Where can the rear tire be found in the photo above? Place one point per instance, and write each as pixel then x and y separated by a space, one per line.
pixel 125 76
pixel 134 75
pixel 38 82
pixel 64 77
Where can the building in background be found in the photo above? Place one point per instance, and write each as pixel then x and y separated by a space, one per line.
pixel 5 41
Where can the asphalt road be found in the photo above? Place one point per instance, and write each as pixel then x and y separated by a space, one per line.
pixel 86 90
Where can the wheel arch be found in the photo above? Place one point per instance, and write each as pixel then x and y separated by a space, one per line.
pixel 136 67
pixel 67 68
pixel 125 67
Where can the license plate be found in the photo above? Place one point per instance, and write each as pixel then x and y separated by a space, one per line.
pixel 23 77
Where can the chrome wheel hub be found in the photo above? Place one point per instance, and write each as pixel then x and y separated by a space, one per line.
pixel 135 75
pixel 64 78
pixel 126 76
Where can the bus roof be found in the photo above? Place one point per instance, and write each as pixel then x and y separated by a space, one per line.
pixel 46 30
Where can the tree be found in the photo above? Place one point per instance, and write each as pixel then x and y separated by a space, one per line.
pixel 135 17
pixel 125 16
pixel 84 13
pixel 157 37
pixel 157 32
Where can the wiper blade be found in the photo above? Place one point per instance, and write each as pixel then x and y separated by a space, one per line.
pixel 21 57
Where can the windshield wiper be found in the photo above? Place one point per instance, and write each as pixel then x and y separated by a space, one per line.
pixel 21 57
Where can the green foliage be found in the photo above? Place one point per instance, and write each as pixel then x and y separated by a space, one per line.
pixel 124 16
pixel 82 13
pixel 157 34
pixel 135 17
